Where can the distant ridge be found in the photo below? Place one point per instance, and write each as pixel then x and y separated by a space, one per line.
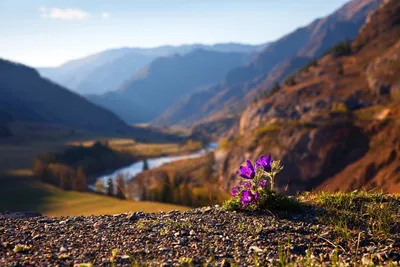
pixel 108 70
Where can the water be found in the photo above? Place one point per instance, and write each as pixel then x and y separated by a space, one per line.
pixel 129 172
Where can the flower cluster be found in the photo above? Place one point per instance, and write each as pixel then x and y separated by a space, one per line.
pixel 256 178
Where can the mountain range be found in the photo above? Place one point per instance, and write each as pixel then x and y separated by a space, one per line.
pixel 275 62
pixel 109 70
pixel 166 81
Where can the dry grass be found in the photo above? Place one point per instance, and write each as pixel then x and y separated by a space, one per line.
pixel 27 193
pixel 143 149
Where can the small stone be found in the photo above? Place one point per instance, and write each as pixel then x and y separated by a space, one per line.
pixel 99 225
pixel 78 219
pixel 133 217
pixel 206 209
pixel 63 249
pixel 45 220
pixel 176 234
pixel 365 260
pixel 192 232
pixel 255 249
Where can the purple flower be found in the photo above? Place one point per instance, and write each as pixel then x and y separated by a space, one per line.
pixel 265 163
pixel 234 192
pixel 248 197
pixel 262 183
pixel 245 185
pixel 247 172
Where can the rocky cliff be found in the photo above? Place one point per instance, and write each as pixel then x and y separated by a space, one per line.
pixel 337 124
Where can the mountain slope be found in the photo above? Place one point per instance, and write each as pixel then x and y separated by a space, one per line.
pixel 26 96
pixel 110 69
pixel 167 80
pixel 338 126
pixel 242 84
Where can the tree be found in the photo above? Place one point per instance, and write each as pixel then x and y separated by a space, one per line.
pixel 81 180
pixel 186 194
pixel 100 187
pixel 145 165
pixel 110 187
pixel 275 88
pixel 120 181
pixel 166 193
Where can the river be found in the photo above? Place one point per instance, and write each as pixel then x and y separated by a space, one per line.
pixel 132 170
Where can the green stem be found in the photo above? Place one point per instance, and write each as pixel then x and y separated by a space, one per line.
pixel 272 181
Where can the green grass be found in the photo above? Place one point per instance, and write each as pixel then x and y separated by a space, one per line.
pixel 22 194
pixel 349 213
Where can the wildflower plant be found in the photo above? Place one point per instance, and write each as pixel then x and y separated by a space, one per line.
pixel 257 189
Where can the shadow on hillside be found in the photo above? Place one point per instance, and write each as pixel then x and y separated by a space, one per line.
pixel 22 193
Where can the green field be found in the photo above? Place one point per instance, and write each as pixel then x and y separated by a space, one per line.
pixel 25 193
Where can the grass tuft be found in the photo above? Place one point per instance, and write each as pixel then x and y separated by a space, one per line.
pixel 272 201
pixel 375 212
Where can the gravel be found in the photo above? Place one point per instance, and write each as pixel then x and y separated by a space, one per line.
pixel 198 236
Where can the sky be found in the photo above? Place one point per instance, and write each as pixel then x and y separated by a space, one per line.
pixel 44 33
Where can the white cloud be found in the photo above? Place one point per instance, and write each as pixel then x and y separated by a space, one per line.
pixel 105 15
pixel 63 14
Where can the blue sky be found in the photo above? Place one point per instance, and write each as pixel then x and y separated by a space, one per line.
pixel 50 32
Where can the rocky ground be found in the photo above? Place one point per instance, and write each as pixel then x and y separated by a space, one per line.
pixel 196 237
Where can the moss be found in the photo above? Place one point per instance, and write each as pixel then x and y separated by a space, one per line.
pixel 88 264
pixel 20 248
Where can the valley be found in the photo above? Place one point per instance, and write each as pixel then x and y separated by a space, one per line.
pixel 322 98
pixel 200 133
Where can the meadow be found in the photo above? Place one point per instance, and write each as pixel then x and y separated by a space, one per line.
pixel 24 192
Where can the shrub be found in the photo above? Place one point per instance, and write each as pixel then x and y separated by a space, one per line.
pixel 275 88
pixel 290 80
pixel 339 107
pixel 340 49
pixel 312 63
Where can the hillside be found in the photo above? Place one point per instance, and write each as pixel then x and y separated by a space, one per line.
pixel 109 70
pixel 166 81
pixel 337 125
pixel 26 96
pixel 274 63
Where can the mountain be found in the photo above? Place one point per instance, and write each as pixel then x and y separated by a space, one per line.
pixel 272 64
pixel 168 80
pixel 336 125
pixel 110 69
pixel 26 96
